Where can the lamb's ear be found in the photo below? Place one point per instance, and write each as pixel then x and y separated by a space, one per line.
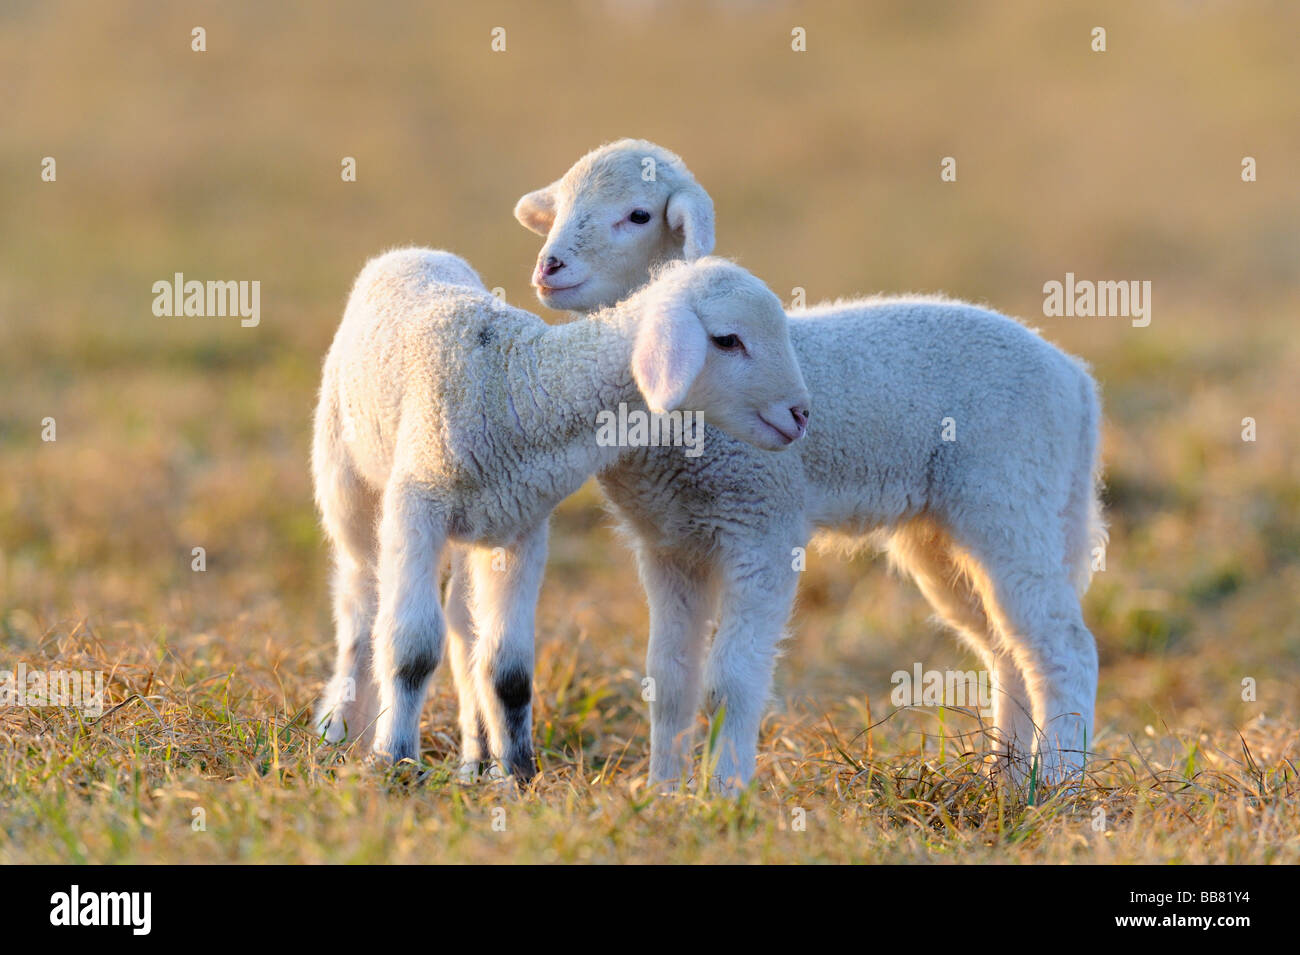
pixel 536 211
pixel 690 215
pixel 668 354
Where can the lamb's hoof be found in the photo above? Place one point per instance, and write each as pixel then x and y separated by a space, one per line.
pixel 723 787
pixel 1033 777
pixel 476 771
pixel 329 722
pixel 404 772
pixel 332 731
pixel 473 771
pixel 523 767
pixel 394 752
pixel 1002 769
pixel 666 787
pixel 1062 778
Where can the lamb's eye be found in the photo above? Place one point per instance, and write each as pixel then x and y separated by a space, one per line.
pixel 639 216
pixel 727 342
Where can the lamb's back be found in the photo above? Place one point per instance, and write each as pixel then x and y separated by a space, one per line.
pixel 421 355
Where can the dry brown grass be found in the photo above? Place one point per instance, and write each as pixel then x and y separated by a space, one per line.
pixel 193 432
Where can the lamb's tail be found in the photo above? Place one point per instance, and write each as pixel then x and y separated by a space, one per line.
pixel 1086 534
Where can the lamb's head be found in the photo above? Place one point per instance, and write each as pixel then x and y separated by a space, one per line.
pixel 712 338
pixel 619 211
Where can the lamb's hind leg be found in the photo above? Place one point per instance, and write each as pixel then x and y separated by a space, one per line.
pixel 348 507
pixel 928 554
pixel 409 629
pixel 347 708
pixel 460 652
pixel 506 582
pixel 1035 608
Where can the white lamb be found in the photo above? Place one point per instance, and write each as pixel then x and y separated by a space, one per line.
pixel 448 420
pixel 955 437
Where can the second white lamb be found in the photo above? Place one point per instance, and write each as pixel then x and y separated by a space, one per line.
pixel 954 437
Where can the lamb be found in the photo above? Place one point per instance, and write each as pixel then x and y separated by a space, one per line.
pixel 449 421
pixel 954 437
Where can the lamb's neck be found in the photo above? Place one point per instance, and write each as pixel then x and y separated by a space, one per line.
pixel 580 369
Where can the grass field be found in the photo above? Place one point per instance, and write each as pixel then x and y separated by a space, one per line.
pixel 176 433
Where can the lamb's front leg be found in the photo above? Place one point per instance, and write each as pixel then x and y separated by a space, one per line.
pixel 681 599
pixel 409 629
pixel 755 603
pixel 506 582
pixel 460 650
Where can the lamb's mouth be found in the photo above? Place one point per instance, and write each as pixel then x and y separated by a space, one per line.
pixel 546 289
pixel 787 437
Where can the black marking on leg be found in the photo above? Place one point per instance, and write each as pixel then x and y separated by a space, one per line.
pixel 514 688
pixel 413 674
pixel 519 745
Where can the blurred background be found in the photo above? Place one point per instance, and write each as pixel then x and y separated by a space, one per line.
pixel 175 433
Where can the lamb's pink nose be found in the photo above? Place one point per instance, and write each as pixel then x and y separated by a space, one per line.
pixel 550 266
pixel 800 416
